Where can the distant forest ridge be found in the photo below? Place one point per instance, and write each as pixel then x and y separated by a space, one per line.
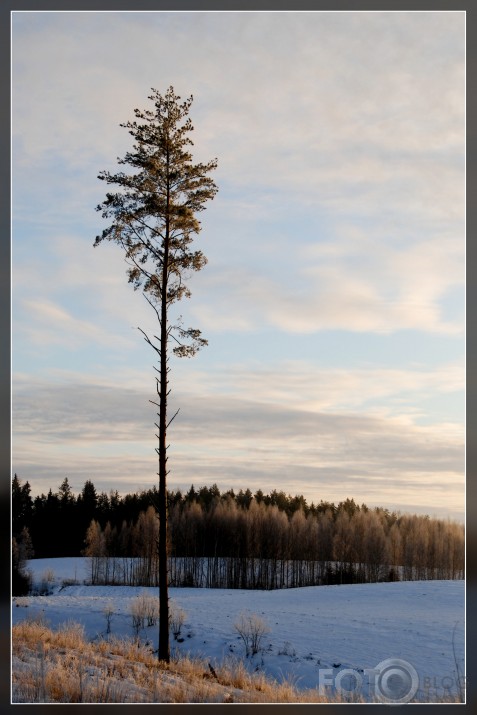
pixel 234 539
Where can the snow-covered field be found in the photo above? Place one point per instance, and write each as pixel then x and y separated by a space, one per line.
pixel 363 638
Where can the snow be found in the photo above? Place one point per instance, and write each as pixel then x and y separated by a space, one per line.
pixel 315 632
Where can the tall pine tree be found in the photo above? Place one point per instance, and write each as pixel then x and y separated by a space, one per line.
pixel 153 218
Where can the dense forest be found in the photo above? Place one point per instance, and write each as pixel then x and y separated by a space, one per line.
pixel 233 540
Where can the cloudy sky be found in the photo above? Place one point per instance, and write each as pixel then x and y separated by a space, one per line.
pixel 333 299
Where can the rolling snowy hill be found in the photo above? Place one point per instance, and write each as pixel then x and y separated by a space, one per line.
pixel 350 638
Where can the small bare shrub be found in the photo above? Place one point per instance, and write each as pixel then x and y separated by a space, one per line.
pixel 137 618
pixel 49 576
pixel 251 628
pixel 177 618
pixel 48 579
pixel 108 612
pixel 287 650
pixel 144 609
pixel 69 582
pixel 151 609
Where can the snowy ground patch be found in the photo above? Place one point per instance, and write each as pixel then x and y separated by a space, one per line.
pixel 336 636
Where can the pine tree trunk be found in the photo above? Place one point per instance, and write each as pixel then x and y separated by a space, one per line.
pixel 164 650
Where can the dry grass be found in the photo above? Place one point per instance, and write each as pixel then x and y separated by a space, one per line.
pixel 62 666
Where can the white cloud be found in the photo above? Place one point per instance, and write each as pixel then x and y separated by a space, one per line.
pixel 335 92
pixel 359 285
pixel 295 428
pixel 340 139
pixel 49 325
pixel 353 114
pixel 298 385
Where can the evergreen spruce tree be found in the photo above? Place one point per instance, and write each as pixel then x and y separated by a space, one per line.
pixel 153 219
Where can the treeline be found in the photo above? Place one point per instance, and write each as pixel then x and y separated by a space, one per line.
pixel 230 540
pixel 261 546
pixel 47 515
pixel 62 512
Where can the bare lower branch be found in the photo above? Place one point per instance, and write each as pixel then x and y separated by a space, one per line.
pixel 148 341
pixel 173 418
pixel 154 309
